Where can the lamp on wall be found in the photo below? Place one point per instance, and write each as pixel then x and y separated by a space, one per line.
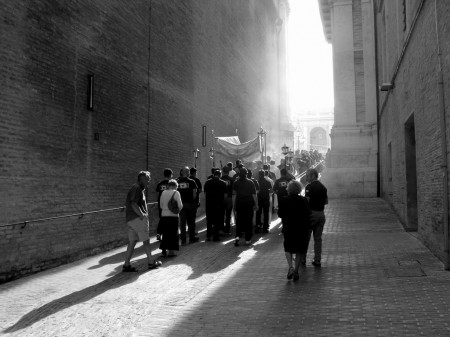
pixel 90 102
pixel 386 86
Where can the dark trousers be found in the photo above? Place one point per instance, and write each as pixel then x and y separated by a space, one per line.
pixel 244 220
pixel 227 209
pixel 263 209
pixel 187 215
pixel 214 221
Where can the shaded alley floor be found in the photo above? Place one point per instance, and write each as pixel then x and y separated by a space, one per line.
pixel 375 280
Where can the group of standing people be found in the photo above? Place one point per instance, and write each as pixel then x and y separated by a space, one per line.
pixel 227 190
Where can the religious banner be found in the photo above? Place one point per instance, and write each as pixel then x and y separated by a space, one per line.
pixel 232 147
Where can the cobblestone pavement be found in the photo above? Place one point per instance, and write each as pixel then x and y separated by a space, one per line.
pixel 376 280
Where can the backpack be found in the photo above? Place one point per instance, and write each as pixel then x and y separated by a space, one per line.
pixel 173 204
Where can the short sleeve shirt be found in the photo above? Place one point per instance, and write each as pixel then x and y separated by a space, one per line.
pixel 137 195
pixel 265 185
pixel 215 191
pixel 229 181
pixel 280 186
pixel 186 187
pixel 245 189
pixel 162 186
pixel 317 195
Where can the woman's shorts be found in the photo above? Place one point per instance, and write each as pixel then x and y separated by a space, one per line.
pixel 138 230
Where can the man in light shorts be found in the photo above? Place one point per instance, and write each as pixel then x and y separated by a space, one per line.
pixel 137 222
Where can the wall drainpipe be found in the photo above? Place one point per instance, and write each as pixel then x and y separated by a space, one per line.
pixel 443 125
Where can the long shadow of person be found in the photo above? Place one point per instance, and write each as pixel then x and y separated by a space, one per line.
pixel 83 295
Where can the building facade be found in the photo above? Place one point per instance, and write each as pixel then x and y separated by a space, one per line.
pixel 95 91
pixel 352 168
pixel 414 65
pixel 408 43
pixel 313 131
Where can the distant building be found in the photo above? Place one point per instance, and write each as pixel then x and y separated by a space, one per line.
pixel 313 131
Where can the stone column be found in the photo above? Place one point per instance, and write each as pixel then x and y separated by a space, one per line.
pixel 343 65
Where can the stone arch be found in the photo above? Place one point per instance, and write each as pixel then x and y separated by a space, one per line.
pixel 318 139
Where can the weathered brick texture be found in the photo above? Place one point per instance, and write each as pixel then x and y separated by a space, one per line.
pixel 416 92
pixel 162 69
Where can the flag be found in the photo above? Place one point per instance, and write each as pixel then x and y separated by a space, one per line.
pixel 232 147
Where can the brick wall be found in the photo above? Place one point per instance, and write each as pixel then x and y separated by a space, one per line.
pixel 416 92
pixel 162 69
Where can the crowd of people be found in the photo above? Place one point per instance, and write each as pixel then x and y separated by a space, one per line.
pixel 231 190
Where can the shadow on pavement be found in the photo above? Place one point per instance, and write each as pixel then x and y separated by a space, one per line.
pixel 116 281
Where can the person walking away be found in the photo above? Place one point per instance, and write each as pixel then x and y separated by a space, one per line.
pixel 316 194
pixel 215 195
pixel 280 186
pixel 188 189
pixel 265 191
pixel 296 216
pixel 229 198
pixel 193 176
pixel 169 219
pixel 161 187
pixel 137 222
pixel 230 166
pixel 244 204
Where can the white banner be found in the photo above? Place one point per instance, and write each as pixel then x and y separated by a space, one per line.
pixel 232 147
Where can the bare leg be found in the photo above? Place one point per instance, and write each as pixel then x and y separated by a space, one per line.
pixel 130 250
pixel 289 259
pixel 148 251
pixel 297 263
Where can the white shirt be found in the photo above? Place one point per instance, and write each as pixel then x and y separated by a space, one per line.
pixel 164 201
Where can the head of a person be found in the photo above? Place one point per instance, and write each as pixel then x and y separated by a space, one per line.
pixel 240 166
pixel 249 174
pixel 230 165
pixel 266 167
pixel 143 179
pixel 193 172
pixel 268 158
pixel 226 170
pixel 217 173
pixel 238 162
pixel 243 173
pixel 213 169
pixel 172 184
pixel 261 174
pixel 184 172
pixel 283 172
pixel 168 173
pixel 294 187
pixel 266 173
pixel 272 162
pixel 312 175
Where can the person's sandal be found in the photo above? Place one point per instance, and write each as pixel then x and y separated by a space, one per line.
pixel 290 273
pixel 129 268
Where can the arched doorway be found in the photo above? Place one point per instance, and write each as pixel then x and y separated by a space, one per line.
pixel 318 139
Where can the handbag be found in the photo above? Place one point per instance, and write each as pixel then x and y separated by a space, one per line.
pixel 173 204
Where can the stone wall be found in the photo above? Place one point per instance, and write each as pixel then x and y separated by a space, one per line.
pixel 161 69
pixel 415 94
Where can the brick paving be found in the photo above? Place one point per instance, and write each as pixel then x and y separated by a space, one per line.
pixel 376 280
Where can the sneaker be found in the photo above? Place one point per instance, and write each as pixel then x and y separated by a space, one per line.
pixel 236 242
pixel 316 264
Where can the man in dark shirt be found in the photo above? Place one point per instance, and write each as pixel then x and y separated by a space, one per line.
pixel 193 176
pixel 215 194
pixel 244 204
pixel 280 186
pixel 136 215
pixel 188 192
pixel 265 191
pixel 229 198
pixel 161 187
pixel 316 194
pixel 250 176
